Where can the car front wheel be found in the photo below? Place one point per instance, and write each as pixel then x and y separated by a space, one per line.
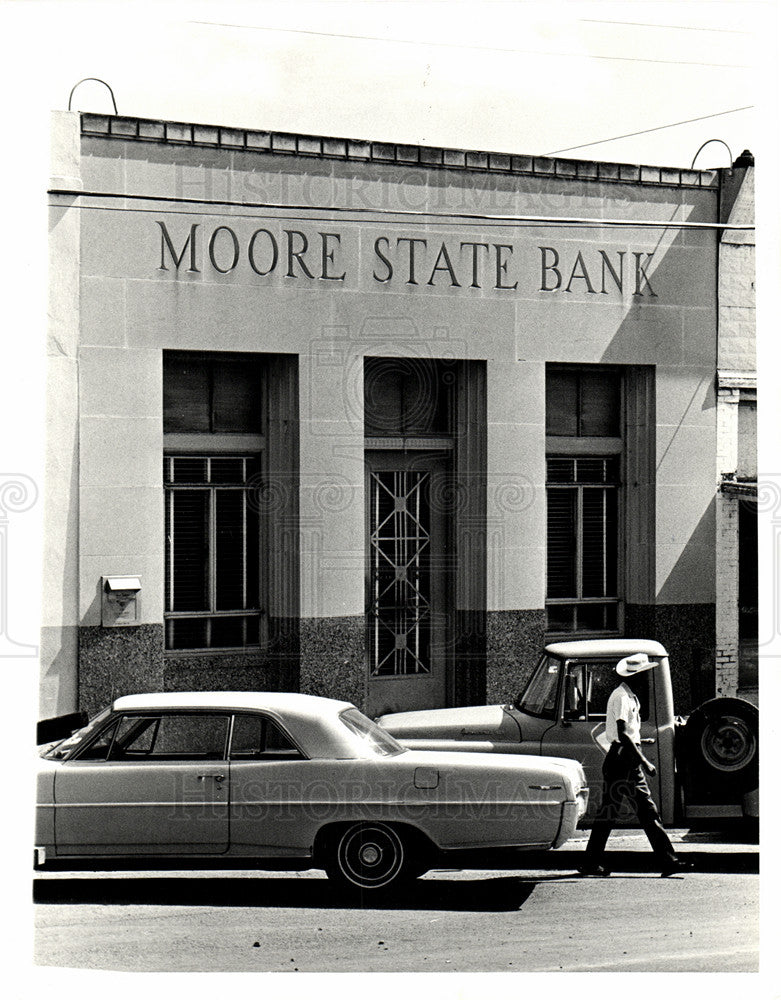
pixel 368 856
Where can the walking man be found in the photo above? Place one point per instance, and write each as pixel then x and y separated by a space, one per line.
pixel 623 776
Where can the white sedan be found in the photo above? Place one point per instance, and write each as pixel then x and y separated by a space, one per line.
pixel 201 775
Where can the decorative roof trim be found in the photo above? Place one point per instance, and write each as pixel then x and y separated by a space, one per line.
pixel 321 147
pixel 739 488
pixel 726 379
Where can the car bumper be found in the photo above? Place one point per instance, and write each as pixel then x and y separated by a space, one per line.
pixel 571 814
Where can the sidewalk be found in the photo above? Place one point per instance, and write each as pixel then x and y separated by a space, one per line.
pixel 628 850
pixel 685 840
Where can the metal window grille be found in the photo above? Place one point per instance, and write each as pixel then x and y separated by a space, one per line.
pixel 582 545
pixel 212 552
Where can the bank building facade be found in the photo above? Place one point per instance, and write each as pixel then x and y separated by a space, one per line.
pixel 376 421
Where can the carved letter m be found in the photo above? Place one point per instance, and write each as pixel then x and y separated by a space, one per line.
pixel 165 241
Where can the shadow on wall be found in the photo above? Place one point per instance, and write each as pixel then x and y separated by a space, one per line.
pixel 678 270
pixel 695 563
pixel 58 672
pixel 682 615
pixel 688 629
pixel 59 645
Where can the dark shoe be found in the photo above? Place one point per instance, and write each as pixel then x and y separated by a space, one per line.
pixel 678 867
pixel 598 871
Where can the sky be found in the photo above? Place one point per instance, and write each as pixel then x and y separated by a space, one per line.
pixel 501 75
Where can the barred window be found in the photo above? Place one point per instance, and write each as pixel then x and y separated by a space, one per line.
pixel 212 551
pixel 583 416
pixel 213 428
pixel 582 544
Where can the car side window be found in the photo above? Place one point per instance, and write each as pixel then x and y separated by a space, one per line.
pixel 588 686
pixel 171 736
pixel 257 738
pixel 575 692
pixel 98 749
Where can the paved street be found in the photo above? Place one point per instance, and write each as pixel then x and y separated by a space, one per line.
pixel 495 917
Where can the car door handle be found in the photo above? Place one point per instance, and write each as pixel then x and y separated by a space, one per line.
pixel 217 777
pixel 648 739
pixel 545 788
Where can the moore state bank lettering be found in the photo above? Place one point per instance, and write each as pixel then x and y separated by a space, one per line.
pixel 329 443
pixel 405 258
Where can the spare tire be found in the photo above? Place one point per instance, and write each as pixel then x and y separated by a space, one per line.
pixel 722 746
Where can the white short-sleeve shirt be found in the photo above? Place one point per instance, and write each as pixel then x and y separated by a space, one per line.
pixel 624 704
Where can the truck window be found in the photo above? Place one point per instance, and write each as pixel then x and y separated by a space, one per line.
pixel 588 685
pixel 539 698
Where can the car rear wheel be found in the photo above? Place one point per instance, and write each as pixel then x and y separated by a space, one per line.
pixel 367 856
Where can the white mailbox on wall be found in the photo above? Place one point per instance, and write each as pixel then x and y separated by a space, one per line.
pixel 121 603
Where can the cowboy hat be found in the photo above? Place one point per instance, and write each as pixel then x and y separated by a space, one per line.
pixel 635 664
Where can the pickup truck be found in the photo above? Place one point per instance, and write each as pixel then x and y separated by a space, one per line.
pixel 707 765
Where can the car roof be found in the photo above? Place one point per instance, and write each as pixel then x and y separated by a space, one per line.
pixel 280 701
pixel 605 647
pixel 310 720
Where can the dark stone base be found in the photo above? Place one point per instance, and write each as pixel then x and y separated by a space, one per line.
pixel 514 640
pixel 333 658
pixel 688 633
pixel 131 660
pixel 113 662
pixel 228 672
pixel 117 661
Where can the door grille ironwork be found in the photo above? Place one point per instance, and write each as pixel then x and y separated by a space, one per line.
pixel 400 573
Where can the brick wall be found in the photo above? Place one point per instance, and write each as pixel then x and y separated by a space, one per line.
pixel 726 659
pixel 736 395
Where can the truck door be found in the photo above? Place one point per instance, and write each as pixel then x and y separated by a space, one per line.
pixel 579 731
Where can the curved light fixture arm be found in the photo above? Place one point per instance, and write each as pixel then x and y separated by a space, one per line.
pixel 703 147
pixel 94 79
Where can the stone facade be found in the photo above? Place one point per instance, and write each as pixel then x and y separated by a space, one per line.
pixel 320 253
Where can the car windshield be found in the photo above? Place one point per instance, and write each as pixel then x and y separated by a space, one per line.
pixel 56 751
pixel 539 698
pixel 373 738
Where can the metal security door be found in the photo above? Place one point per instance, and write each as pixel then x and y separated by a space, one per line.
pixel 408 581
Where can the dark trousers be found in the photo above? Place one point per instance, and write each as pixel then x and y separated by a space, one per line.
pixel 624 779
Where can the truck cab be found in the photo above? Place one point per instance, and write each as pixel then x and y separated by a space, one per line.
pixel 564 708
pixel 561 713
